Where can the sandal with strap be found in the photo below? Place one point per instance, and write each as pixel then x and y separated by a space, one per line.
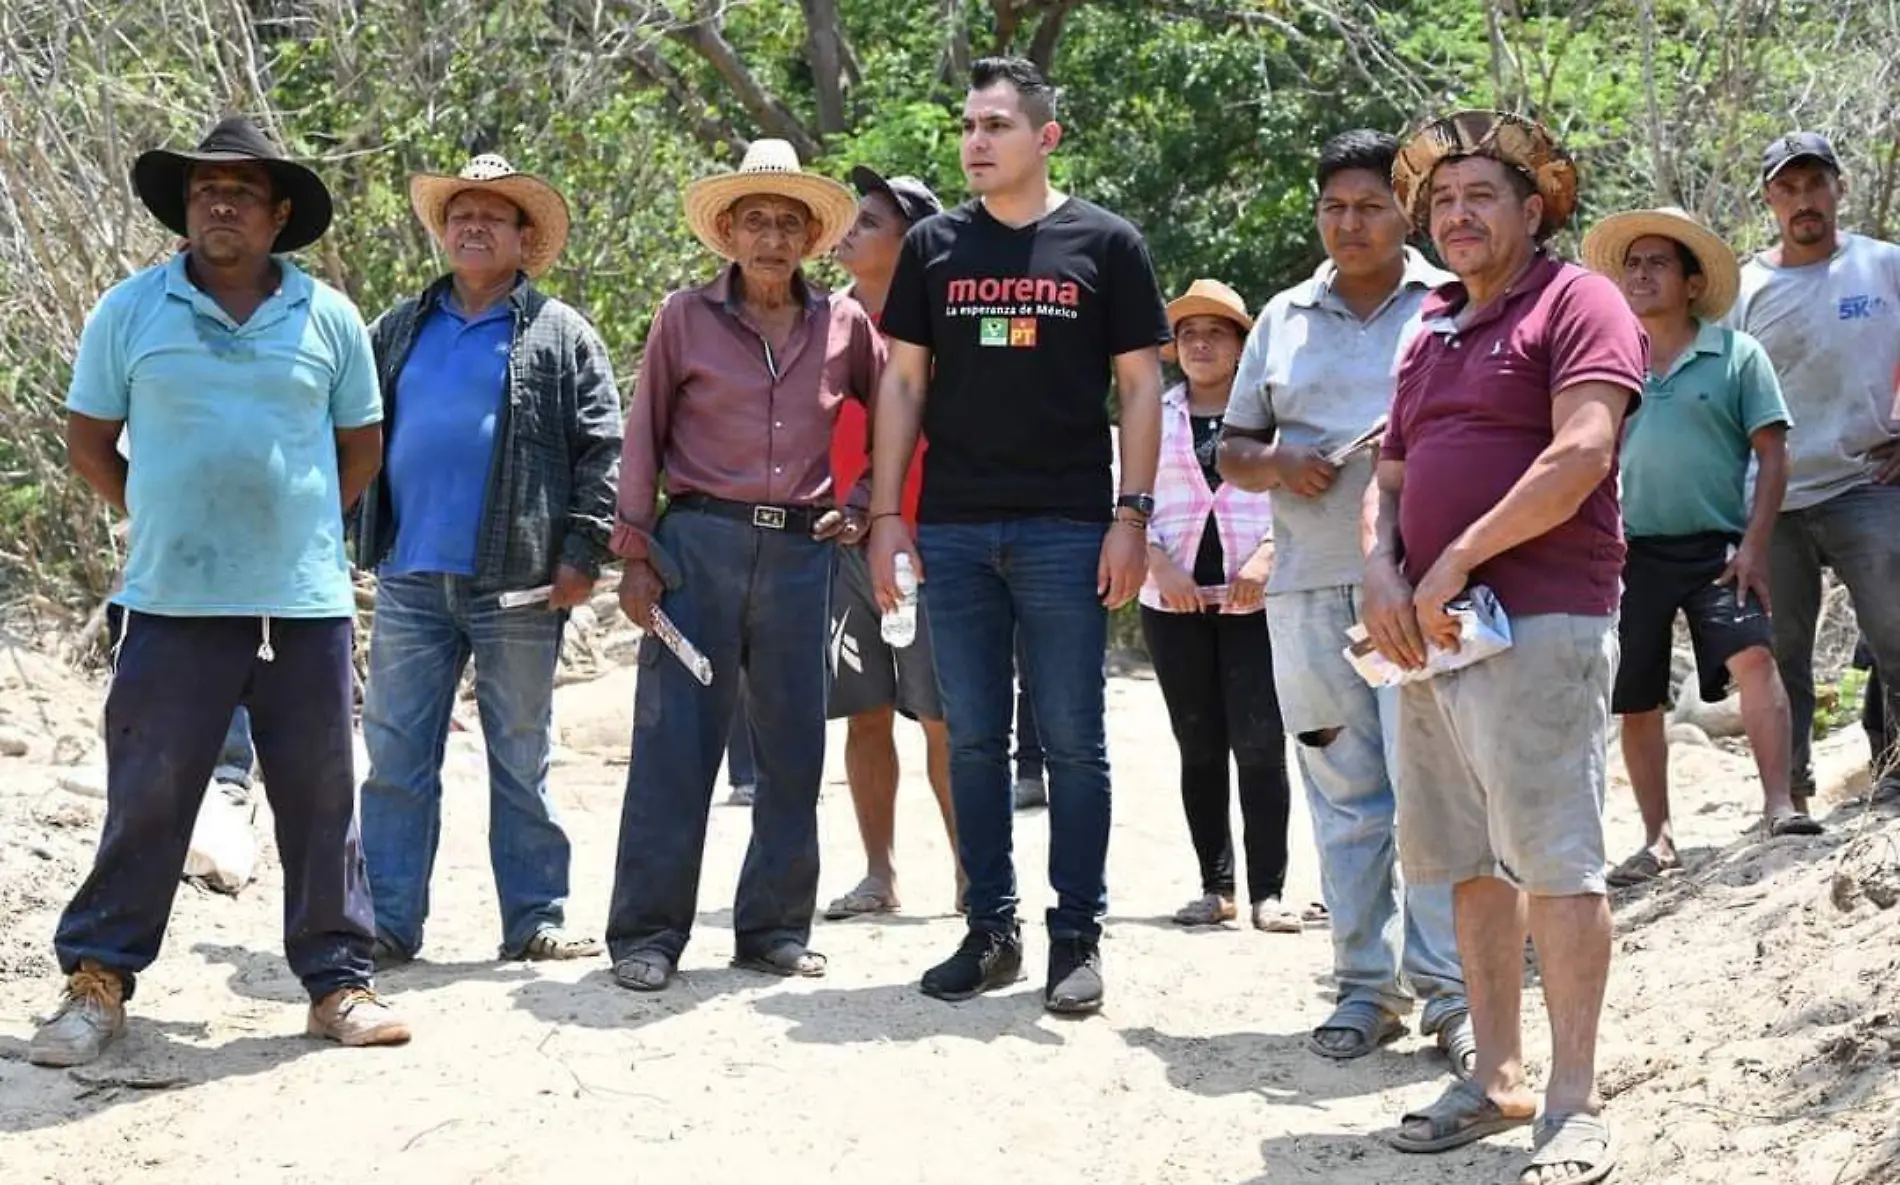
pixel 1576 1141
pixel 553 946
pixel 1462 1115
pixel 1794 823
pixel 644 971
pixel 871 896
pixel 1639 869
pixel 789 959
pixel 1208 910
pixel 1457 1040
pixel 1367 1020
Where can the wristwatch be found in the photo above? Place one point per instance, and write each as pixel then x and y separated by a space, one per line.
pixel 1141 504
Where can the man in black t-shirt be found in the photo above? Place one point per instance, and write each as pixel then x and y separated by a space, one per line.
pixel 1006 318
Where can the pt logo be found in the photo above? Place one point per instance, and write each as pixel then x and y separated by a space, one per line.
pixel 1022 332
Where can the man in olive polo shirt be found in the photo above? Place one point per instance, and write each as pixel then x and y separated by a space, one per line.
pixel 1695 544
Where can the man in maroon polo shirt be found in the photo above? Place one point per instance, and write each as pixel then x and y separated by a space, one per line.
pixel 1499 469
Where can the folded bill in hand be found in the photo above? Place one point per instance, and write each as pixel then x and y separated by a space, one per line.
pixel 1483 631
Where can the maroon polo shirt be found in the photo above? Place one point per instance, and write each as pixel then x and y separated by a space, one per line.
pixel 1472 412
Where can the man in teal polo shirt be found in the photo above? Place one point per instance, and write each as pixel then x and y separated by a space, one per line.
pixel 247 392
pixel 1696 544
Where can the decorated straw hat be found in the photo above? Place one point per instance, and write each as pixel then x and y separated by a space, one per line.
pixel 770 168
pixel 543 205
pixel 1608 242
pixel 1520 143
pixel 1206 298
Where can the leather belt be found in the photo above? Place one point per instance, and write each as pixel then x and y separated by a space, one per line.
pixel 764 516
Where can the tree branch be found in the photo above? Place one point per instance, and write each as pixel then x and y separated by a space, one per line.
pixel 825 50
pixel 1042 48
pixel 773 117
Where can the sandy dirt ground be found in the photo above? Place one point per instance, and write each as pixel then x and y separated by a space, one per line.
pixel 1752 1033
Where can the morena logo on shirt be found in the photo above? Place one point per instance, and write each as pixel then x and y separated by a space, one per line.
pixel 1020 289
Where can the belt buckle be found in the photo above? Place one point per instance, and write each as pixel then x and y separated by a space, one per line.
pixel 772 518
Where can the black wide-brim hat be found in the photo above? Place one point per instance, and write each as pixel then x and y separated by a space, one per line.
pixel 158 177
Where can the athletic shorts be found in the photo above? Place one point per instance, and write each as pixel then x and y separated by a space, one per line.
pixel 1665 575
pixel 866 673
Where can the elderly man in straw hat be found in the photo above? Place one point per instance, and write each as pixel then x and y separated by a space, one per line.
pixel 504 436
pixel 1498 469
pixel 1696 545
pixel 738 393
pixel 248 391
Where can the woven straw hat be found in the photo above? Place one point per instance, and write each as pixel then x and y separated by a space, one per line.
pixel 1523 144
pixel 546 209
pixel 1608 242
pixel 1206 298
pixel 770 168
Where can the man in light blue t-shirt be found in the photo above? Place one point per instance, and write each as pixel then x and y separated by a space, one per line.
pixel 1697 544
pixel 247 392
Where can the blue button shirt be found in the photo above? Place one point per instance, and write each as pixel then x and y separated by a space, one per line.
pixel 231 429
pixel 442 440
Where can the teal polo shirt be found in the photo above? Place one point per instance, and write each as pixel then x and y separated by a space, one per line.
pixel 236 509
pixel 1686 452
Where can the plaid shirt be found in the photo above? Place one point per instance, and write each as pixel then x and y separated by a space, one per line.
pixel 550 496
pixel 1183 502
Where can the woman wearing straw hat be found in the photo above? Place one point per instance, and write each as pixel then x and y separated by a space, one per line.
pixel 739 390
pixel 504 427
pixel 1711 404
pixel 1210 546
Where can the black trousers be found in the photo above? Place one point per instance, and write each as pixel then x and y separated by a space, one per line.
pixel 1216 673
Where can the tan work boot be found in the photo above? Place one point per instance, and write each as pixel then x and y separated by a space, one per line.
pixel 356 1016
pixel 90 1015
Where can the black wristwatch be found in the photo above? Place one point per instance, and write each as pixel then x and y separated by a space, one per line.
pixel 1142 504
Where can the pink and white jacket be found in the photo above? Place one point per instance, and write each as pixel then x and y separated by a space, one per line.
pixel 1183 501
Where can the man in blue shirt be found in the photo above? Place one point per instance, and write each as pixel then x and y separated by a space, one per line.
pixel 247 392
pixel 504 443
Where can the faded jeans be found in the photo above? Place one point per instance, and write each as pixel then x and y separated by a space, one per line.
pixel 1382 950
pixel 984 582
pixel 427 629
pixel 1857 534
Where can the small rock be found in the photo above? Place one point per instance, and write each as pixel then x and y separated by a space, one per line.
pixel 1844 892
pixel 1689 734
pixel 87 781
pixel 70 749
pixel 13 743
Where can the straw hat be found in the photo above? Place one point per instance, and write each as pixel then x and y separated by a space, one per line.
pixel 770 168
pixel 1523 144
pixel 1609 241
pixel 1206 298
pixel 545 208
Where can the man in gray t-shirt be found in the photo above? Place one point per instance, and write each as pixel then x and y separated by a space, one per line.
pixel 1317 375
pixel 1826 305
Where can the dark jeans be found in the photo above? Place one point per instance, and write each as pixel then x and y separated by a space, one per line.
pixel 238 758
pixel 983 582
pixel 1028 741
pixel 176 684
pixel 755 602
pixel 1855 534
pixel 741 768
pixel 1216 674
pixel 428 627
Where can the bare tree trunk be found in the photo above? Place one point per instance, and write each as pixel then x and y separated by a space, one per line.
pixel 772 116
pixel 1042 48
pixel 955 64
pixel 825 49
pixel 1662 171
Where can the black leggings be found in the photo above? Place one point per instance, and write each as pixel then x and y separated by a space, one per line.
pixel 1216 673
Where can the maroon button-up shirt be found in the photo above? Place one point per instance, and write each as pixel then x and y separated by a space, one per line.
pixel 719 413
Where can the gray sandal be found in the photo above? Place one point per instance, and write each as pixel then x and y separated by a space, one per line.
pixel 644 971
pixel 1462 1115
pixel 1367 1020
pixel 1459 1042
pixel 789 958
pixel 1576 1140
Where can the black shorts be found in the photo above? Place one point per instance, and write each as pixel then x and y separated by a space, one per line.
pixel 1665 574
pixel 867 673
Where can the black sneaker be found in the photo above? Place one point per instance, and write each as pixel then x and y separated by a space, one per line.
pixel 1075 976
pixel 986 960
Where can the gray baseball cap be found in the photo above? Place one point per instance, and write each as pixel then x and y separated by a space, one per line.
pixel 912 197
pixel 1797 146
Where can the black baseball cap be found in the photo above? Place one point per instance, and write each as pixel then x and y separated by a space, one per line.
pixel 912 197
pixel 1797 146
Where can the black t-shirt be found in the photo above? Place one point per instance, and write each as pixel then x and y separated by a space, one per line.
pixel 1210 562
pixel 1022 324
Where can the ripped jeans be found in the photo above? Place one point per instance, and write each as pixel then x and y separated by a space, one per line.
pixel 1382 950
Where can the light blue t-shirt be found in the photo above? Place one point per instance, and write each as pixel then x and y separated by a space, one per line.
pixel 232 487
pixel 1687 449
pixel 442 437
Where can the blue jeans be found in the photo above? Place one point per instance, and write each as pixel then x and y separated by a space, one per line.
pixel 1391 941
pixel 982 582
pixel 741 768
pixel 427 628
pixel 238 757
pixel 1028 743
pixel 755 602
pixel 1857 534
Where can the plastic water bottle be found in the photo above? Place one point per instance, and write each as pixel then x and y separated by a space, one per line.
pixel 899 627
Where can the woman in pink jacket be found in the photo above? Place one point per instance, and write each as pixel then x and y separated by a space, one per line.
pixel 1210 547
